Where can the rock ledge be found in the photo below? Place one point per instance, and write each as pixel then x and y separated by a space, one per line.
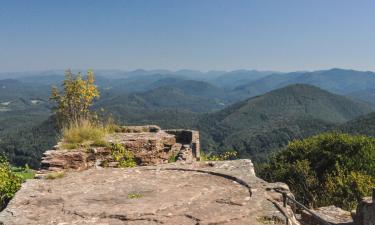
pixel 226 192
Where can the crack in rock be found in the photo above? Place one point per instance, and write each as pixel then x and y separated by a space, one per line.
pixel 195 219
pixel 126 218
pixel 228 202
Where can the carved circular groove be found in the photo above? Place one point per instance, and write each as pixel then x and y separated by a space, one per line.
pixel 134 196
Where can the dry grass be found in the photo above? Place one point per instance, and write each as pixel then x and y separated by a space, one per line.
pixel 85 133
pixel 56 175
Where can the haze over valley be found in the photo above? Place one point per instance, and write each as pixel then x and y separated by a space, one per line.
pixel 252 112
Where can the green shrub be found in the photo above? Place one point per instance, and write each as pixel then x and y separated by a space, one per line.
pixel 330 168
pixel 24 173
pixel 10 183
pixel 122 156
pixel 172 158
pixel 351 184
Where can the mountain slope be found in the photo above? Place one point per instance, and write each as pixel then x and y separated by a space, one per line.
pixel 165 106
pixel 266 123
pixel 161 98
pixel 192 87
pixel 236 78
pixel 362 125
pixel 339 81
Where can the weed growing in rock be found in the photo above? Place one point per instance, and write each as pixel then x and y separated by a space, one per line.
pixel 228 155
pixel 56 175
pixel 172 158
pixel 124 157
pixel 134 195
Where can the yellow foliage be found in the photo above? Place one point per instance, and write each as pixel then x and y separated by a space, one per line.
pixel 74 101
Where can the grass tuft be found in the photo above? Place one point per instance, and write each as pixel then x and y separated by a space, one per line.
pixel 55 175
pixel 135 195
pixel 85 133
pixel 24 173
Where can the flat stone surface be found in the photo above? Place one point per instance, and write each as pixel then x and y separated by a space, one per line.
pixel 195 193
pixel 120 137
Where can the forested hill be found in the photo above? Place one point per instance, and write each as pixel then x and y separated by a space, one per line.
pixel 363 125
pixel 266 123
pixel 254 127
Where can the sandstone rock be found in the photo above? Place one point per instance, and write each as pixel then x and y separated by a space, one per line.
pixel 178 193
pixel 185 154
pixel 331 214
pixel 190 137
pixel 139 129
pixel 149 144
pixel 65 159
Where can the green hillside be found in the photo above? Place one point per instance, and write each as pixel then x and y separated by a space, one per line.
pixel 364 125
pixel 253 127
pixel 266 123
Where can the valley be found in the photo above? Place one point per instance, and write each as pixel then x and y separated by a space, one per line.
pixel 251 112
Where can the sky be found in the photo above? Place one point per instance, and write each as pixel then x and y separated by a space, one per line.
pixel 278 35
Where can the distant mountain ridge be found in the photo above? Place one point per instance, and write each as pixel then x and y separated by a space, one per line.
pixel 238 84
pixel 339 81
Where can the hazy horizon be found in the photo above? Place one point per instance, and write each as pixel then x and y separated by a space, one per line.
pixel 173 71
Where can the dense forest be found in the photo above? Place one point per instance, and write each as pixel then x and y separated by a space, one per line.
pixel 326 169
pixel 210 102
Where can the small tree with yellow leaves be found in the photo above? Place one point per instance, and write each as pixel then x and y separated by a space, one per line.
pixel 74 101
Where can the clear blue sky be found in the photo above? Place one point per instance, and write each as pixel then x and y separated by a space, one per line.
pixel 282 35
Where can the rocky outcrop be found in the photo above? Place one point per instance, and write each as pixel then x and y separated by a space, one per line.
pixel 226 192
pixel 149 144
